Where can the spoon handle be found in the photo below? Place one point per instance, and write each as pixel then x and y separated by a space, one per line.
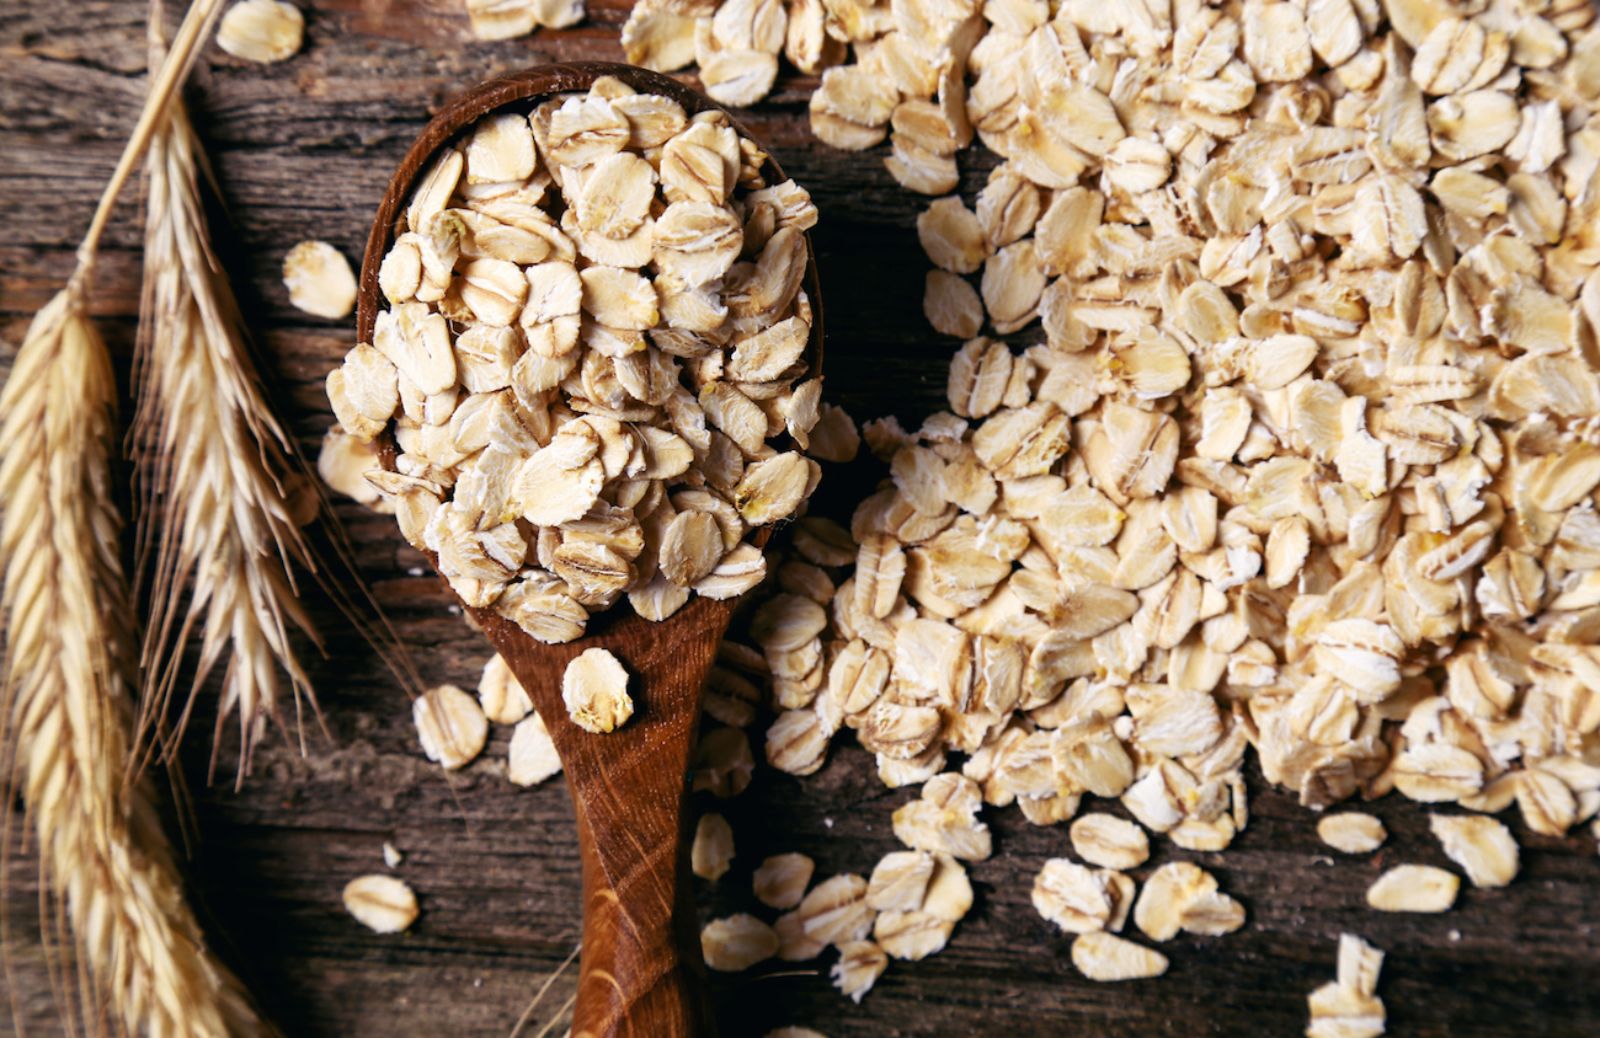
pixel 640 974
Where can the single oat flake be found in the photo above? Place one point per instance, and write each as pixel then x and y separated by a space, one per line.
pixel 737 942
pixel 263 31
pixel 781 880
pixel 501 695
pixel 450 725
pixel 533 757
pixel 595 689
pixel 1106 957
pixel 1352 832
pixel 1414 888
pixel 711 854
pixel 1482 846
pixel 319 280
pixel 381 903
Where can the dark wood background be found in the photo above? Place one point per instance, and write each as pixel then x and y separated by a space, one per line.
pixel 302 150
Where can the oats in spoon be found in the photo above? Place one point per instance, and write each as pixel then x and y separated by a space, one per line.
pixel 593 360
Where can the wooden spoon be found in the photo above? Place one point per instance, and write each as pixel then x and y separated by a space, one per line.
pixel 640 973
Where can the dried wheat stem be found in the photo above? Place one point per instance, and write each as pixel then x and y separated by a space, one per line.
pixel 165 83
pixel 65 696
pixel 216 469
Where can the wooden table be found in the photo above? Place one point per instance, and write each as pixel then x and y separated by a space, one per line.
pixel 302 150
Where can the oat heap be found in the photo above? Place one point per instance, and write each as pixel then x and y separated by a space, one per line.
pixel 1310 446
pixel 1307 460
pixel 596 324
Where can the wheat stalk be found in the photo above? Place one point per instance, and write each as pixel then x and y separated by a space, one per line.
pixel 101 847
pixel 141 964
pixel 220 483
pixel 216 469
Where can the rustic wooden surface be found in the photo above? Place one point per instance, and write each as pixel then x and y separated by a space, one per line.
pixel 303 149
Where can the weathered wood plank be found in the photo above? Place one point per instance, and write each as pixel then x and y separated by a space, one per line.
pixel 303 149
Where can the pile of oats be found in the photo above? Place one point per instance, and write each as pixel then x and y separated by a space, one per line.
pixel 595 327
pixel 1307 458
pixel 1302 456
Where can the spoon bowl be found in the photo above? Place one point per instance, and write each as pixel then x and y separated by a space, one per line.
pixel 640 971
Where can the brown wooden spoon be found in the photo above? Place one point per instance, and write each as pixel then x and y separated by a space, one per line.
pixel 640 973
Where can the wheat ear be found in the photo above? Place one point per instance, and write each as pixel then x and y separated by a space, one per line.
pixel 68 617
pixel 215 474
pixel 141 965
pixel 223 491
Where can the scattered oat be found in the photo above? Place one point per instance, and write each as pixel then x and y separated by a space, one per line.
pixel 1166 897
pixel 1212 915
pixel 450 725
pixel 737 943
pixel 595 689
pixel 1414 888
pixel 319 280
pixel 343 464
pixel 712 852
pixel 1482 846
pixel 794 945
pixel 781 880
pixel 836 910
pixel 860 965
pixel 1352 832
pixel 502 696
pixel 899 881
pixel 381 903
pixel 1106 957
pixel 1109 841
pixel 945 819
pixel 1348 1007
pixel 1075 898
pixel 533 757
pixel 263 31
pixel 722 763
pixel 912 936
pixel 391 855
pixel 508 19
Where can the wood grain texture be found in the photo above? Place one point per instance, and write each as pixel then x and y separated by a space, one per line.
pixel 305 149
